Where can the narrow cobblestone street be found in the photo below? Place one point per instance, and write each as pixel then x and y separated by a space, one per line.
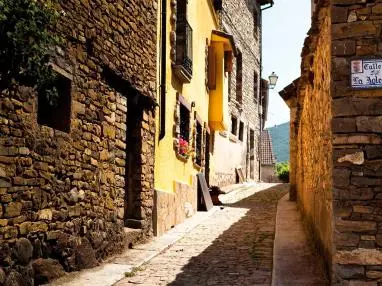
pixel 233 247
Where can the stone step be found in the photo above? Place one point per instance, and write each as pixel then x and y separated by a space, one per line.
pixel 132 236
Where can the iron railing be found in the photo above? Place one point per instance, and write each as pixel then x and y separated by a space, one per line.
pixel 184 43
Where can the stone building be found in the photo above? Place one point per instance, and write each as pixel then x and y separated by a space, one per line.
pixel 72 177
pixel 239 146
pixel 267 158
pixel 336 140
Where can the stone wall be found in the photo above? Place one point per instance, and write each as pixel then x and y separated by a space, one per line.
pixel 173 208
pixel 356 126
pixel 268 174
pixel 310 144
pixel 340 193
pixel 314 159
pixel 63 194
pixel 238 20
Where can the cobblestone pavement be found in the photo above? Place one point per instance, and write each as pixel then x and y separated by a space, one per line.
pixel 233 247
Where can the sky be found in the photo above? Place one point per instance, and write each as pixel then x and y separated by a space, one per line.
pixel 285 27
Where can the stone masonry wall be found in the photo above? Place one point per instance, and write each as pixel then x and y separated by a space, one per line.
pixel 357 128
pixel 238 20
pixel 312 126
pixel 63 195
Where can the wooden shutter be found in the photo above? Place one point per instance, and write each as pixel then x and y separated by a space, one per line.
pixel 228 61
pixel 211 68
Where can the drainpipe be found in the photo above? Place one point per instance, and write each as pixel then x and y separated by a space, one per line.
pixel 260 112
pixel 162 130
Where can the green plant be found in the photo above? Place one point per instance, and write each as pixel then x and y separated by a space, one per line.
pixel 26 43
pixel 282 171
pixel 133 271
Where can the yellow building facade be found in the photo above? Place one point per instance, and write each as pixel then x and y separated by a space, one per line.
pixel 193 103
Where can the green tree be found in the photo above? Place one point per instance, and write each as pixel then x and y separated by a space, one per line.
pixel 26 44
pixel 282 171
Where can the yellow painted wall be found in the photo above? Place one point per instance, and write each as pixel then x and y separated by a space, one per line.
pixel 168 168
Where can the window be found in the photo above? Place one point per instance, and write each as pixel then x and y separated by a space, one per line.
pixel 255 87
pixel 229 86
pixel 183 63
pixel 239 78
pixel 56 115
pixel 198 143
pixel 255 23
pixel 233 125
pixel 184 123
pixel 241 131
pixel 218 5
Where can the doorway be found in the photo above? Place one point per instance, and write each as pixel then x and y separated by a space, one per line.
pixel 252 153
pixel 207 158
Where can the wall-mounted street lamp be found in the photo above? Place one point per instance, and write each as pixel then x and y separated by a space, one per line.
pixel 272 80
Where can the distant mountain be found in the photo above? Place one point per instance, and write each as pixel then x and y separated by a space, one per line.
pixel 280 141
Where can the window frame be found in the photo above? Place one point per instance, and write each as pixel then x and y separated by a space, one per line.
pixel 234 125
pixel 63 109
pixel 239 77
pixel 241 131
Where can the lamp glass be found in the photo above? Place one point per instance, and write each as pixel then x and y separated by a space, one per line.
pixel 273 80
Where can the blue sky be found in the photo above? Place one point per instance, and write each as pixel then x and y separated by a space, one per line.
pixel 285 26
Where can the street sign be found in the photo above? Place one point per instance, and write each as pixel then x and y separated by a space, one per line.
pixel 366 73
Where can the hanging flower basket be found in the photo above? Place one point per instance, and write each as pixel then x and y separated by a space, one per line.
pixel 184 149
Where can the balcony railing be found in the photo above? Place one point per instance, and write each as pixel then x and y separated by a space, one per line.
pixel 183 64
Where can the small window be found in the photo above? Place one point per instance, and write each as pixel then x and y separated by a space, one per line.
pixel 233 125
pixel 198 144
pixel 241 131
pixel 218 5
pixel 229 86
pixel 184 123
pixel 239 78
pixel 56 115
pixel 183 62
pixel 255 87
pixel 255 23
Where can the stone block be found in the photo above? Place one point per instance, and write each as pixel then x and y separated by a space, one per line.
pixel 45 214
pixel 353 30
pixel 85 255
pixel 379 239
pixel 341 177
pixel 354 158
pixel 23 250
pixel 14 279
pixel 357 106
pixel 350 271
pixel 339 14
pixel 373 152
pixel 108 131
pixel 4 183
pixel 343 125
pixel 38 227
pixel 2 276
pixel 369 124
pixel 363 209
pixel 46 270
pixel 356 139
pixel 359 257
pixel 346 239
pixel 355 226
pixel 365 181
pixel 13 209
pixel 78 107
